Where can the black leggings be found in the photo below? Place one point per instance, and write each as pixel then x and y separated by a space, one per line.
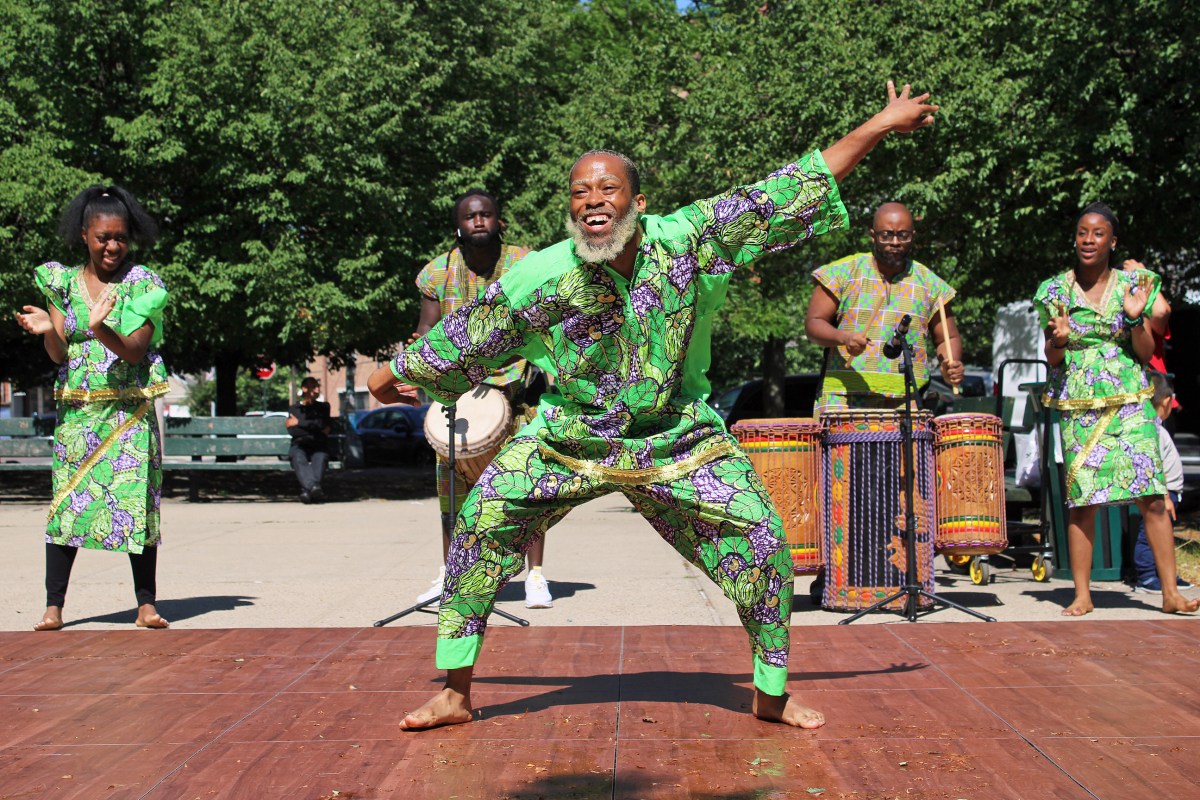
pixel 60 558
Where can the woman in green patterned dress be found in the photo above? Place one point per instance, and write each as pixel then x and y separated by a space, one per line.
pixel 103 327
pixel 1098 344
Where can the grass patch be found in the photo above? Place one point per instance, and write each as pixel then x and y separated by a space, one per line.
pixel 1187 547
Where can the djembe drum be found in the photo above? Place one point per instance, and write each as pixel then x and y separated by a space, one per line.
pixel 970 485
pixel 483 422
pixel 786 454
pixel 864 526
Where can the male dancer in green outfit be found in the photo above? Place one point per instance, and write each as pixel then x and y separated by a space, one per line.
pixel 622 312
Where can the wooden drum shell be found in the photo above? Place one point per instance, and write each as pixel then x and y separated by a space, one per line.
pixel 969 454
pixel 786 454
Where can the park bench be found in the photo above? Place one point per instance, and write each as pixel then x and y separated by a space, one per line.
pixel 26 437
pixel 192 446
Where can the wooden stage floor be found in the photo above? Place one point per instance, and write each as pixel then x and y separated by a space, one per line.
pixel 1072 709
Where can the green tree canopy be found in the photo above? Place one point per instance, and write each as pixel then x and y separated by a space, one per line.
pixel 302 157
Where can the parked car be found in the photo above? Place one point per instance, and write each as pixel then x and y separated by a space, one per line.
pixel 393 435
pixel 939 396
pixel 745 401
pixel 355 417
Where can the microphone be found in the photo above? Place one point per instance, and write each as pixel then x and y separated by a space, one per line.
pixel 895 345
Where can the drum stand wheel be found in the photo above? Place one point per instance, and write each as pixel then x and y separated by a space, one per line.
pixel 958 564
pixel 980 571
pixel 424 606
pixel 1042 568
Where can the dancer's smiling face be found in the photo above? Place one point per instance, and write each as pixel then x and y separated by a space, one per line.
pixel 604 209
pixel 1094 240
pixel 107 240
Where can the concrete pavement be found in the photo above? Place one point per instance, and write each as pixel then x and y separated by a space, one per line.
pixel 274 563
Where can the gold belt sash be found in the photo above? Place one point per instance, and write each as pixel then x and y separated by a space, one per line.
pixel 639 477
pixel 104 395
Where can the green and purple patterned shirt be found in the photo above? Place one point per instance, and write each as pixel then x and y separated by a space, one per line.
pixel 631 356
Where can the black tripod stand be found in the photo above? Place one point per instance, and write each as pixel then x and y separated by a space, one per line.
pixel 425 604
pixel 912 591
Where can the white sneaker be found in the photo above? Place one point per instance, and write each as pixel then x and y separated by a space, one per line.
pixel 434 592
pixel 537 591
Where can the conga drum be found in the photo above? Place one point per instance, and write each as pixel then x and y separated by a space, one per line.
pixel 970 485
pixel 482 423
pixel 786 454
pixel 864 527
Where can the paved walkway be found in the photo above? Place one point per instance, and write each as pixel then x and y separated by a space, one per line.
pixel 280 564
pixel 603 696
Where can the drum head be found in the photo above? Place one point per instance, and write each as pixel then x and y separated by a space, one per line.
pixel 482 417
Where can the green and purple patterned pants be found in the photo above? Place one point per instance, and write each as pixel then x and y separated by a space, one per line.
pixel 719 517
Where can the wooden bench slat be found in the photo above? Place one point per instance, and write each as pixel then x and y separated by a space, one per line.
pixel 225 426
pixel 33 447
pixel 197 446
pixel 227 466
pixel 21 426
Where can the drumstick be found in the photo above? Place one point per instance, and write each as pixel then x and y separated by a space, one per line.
pixel 946 337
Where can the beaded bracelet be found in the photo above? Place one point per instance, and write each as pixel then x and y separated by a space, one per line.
pixel 1136 321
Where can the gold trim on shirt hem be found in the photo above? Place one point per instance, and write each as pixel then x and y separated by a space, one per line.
pixel 639 477
pixel 1089 403
pixel 102 395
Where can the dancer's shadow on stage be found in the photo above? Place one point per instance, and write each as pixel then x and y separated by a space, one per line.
pixel 718 689
pixel 175 610
pixel 514 591
pixel 1101 598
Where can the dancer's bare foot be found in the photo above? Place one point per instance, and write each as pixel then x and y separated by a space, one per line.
pixel 786 709
pixel 447 707
pixel 1176 603
pixel 51 620
pixel 148 617
pixel 1081 606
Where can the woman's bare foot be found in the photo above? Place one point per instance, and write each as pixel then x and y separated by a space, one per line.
pixel 1081 606
pixel 1176 603
pixel 51 620
pixel 148 617
pixel 786 709
pixel 447 707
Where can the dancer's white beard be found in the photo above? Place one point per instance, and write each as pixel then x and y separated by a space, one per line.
pixel 599 250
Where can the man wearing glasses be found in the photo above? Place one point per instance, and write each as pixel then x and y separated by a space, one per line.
pixel 857 303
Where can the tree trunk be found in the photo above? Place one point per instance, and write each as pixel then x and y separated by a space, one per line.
pixel 227 368
pixel 774 367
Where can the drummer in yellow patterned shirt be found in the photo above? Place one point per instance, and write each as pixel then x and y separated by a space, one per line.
pixel 857 303
pixel 446 283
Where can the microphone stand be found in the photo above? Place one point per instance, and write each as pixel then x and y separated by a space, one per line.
pixel 424 605
pixel 912 590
